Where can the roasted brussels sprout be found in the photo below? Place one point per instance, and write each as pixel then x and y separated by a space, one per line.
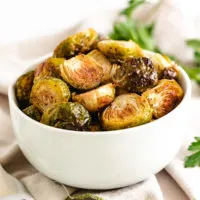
pixel 119 50
pixel 82 72
pixel 170 73
pixel 161 62
pixel 47 91
pixel 94 127
pixel 72 116
pixel 127 110
pixel 101 60
pixel 119 91
pixel 97 98
pixel 33 112
pixel 135 74
pixel 81 42
pixel 23 88
pixel 164 97
pixel 51 67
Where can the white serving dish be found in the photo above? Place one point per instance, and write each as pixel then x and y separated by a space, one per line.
pixel 102 160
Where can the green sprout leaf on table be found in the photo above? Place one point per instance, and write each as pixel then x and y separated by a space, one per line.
pixel 194 159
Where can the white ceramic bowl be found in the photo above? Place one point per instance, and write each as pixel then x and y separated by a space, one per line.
pixel 101 160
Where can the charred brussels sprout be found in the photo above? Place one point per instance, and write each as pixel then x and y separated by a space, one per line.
pixel 72 116
pixel 164 97
pixel 47 91
pixel 97 98
pixel 51 67
pixel 23 88
pixel 33 112
pixel 119 50
pixel 81 42
pixel 102 61
pixel 161 63
pixel 127 110
pixel 170 73
pixel 135 74
pixel 82 72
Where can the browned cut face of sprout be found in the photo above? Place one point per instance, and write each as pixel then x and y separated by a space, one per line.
pixel 164 97
pixel 82 72
pixel 71 116
pixel 96 99
pixel 81 42
pixel 50 67
pixel 48 91
pixel 114 85
pixel 127 110
pixel 103 62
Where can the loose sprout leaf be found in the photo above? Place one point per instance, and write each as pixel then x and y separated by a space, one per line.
pixel 194 159
pixel 85 196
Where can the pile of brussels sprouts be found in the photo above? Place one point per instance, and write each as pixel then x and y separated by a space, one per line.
pixel 94 84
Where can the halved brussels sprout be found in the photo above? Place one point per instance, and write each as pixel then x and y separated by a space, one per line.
pixel 81 42
pixel 47 91
pixel 101 60
pixel 97 98
pixel 118 50
pixel 164 97
pixel 127 110
pixel 135 74
pixel 51 67
pixel 23 88
pixel 71 116
pixel 33 112
pixel 161 62
pixel 82 72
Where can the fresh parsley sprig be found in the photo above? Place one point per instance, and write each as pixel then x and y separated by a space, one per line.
pixel 132 5
pixel 130 29
pixel 194 159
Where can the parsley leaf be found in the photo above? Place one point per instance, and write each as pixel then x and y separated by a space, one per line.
pixel 194 159
pixel 133 4
pixel 194 43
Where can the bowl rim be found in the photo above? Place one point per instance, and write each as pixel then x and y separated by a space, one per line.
pixel 13 105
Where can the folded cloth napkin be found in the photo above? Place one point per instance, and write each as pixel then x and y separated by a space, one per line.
pixel 16 56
